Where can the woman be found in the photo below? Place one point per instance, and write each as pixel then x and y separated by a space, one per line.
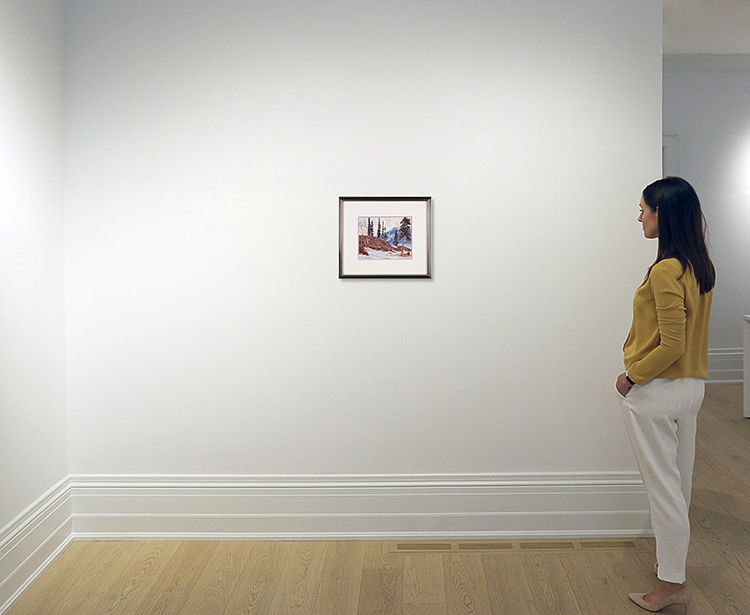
pixel 666 362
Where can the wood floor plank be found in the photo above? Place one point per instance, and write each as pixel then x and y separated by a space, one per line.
pixel 147 566
pixel 726 594
pixel 704 541
pixel 425 609
pixel 507 584
pixel 720 476
pixel 719 472
pixel 97 586
pixel 592 585
pixel 214 589
pixel 177 580
pixel 301 577
pixel 379 557
pixel 47 592
pixel 381 591
pixel 726 403
pixel 341 579
pixel 721 440
pixel 381 584
pixel 700 602
pixel 728 538
pixel 424 584
pixel 260 577
pixel 627 572
pixel 375 552
pixel 550 585
pixel 465 585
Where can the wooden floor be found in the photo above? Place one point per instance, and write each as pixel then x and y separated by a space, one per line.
pixel 502 577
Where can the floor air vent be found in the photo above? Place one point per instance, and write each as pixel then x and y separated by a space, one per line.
pixel 522 546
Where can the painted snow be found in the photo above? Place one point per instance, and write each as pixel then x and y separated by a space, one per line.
pixel 385 238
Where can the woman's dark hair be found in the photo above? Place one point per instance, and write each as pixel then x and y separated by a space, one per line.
pixel 682 228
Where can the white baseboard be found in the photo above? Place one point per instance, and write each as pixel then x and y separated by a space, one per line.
pixel 725 366
pixel 32 541
pixel 611 504
pixel 359 507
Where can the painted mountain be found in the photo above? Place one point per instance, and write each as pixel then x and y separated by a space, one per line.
pixel 384 238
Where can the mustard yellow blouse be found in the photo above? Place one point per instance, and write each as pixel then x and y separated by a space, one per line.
pixel 669 334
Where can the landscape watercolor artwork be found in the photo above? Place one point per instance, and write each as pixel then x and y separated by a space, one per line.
pixel 385 237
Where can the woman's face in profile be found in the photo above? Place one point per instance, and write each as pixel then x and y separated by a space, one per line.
pixel 649 218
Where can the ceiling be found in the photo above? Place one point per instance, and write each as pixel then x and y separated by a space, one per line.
pixel 706 26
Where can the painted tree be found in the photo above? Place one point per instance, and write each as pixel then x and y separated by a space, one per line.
pixel 369 227
pixel 405 231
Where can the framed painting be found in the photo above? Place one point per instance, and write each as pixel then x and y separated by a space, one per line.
pixel 384 236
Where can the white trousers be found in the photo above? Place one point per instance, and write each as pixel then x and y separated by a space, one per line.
pixel 661 418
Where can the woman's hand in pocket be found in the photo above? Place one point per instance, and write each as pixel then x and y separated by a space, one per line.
pixel 622 385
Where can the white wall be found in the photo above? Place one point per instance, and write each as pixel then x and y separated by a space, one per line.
pixel 35 511
pixel 208 144
pixel 707 105
pixel 33 426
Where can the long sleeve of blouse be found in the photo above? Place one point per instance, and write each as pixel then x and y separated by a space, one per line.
pixel 669 334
